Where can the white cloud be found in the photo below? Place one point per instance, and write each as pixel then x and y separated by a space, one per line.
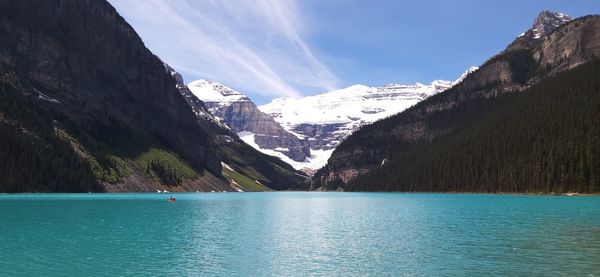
pixel 256 46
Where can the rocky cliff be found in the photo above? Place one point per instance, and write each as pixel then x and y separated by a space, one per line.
pixel 239 113
pixel 544 24
pixel 87 80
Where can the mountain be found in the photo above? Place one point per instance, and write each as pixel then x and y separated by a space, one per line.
pixel 85 106
pixel 325 120
pixel 543 25
pixel 524 122
pixel 236 111
pixel 197 106
pixel 242 164
pixel 304 132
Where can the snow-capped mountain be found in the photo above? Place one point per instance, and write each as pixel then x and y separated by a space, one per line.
pixel 216 95
pixel 324 120
pixel 256 128
pixel 547 21
pixel 543 25
pixel 304 132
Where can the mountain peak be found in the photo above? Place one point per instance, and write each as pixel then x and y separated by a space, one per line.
pixel 543 25
pixel 546 22
pixel 465 74
pixel 211 91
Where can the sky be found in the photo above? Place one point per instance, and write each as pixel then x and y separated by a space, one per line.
pixel 294 48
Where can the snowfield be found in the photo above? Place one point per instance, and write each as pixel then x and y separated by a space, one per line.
pixel 326 119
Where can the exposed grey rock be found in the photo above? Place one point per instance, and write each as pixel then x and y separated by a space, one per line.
pixel 240 114
pixel 544 24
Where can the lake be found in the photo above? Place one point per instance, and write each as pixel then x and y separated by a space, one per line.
pixel 298 234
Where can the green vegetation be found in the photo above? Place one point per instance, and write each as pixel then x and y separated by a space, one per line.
pixel 116 108
pixel 47 149
pixel 546 139
pixel 268 170
pixel 244 182
pixel 116 169
pixel 33 158
pixel 42 151
pixel 165 166
pixel 112 168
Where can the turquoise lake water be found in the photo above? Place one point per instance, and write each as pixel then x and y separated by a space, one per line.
pixel 298 234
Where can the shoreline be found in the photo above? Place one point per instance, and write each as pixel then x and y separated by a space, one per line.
pixel 571 194
pixel 482 193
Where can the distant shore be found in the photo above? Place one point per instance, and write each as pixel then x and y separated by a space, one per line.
pixel 337 191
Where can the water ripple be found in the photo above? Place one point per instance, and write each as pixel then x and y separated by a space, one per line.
pixel 298 234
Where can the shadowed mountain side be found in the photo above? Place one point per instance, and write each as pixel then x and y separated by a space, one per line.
pixel 88 83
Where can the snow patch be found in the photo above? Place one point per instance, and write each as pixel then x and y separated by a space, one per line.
pixel 317 159
pixel 227 166
pixel 45 97
pixel 346 110
pixel 209 91
pixel 358 103
pixel 236 186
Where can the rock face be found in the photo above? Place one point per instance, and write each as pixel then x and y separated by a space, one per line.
pixel 86 56
pixel 304 132
pixel 85 74
pixel 198 107
pixel 545 50
pixel 236 111
pixel 569 45
pixel 546 22
pixel 236 152
pixel 325 120
pixel 542 26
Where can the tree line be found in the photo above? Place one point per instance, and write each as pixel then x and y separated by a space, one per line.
pixel 545 139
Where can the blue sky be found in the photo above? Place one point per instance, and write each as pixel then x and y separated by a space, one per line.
pixel 274 48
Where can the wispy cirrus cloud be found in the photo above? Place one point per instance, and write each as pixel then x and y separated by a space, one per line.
pixel 252 45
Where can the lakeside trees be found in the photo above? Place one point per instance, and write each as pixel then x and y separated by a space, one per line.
pixel 545 139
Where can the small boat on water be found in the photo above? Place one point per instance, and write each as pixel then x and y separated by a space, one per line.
pixel 171 199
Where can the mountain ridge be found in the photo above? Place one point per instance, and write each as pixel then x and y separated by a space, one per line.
pixel 309 148
pixel 241 115
pixel 326 119
pixel 109 107
pixel 513 70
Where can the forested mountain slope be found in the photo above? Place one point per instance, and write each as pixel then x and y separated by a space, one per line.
pixel 85 106
pixel 396 150
pixel 546 139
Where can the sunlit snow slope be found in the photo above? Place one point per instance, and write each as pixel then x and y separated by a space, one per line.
pixel 326 119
